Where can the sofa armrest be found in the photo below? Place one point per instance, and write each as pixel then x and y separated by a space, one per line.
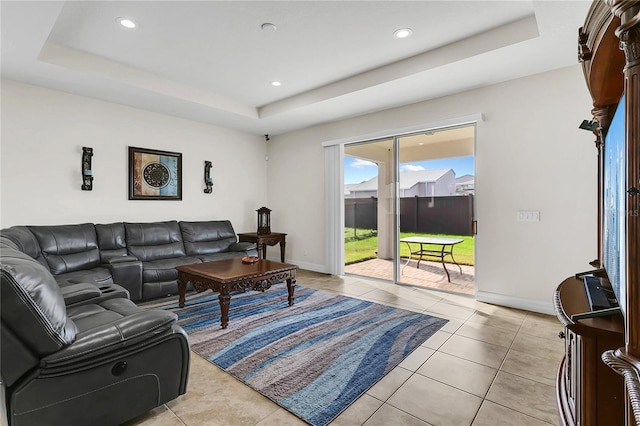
pixel 112 260
pixel 127 272
pixel 113 337
pixel 84 293
pixel 243 246
pixel 76 293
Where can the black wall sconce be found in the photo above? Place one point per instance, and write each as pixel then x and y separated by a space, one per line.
pixel 207 177
pixel 87 173
pixel 264 221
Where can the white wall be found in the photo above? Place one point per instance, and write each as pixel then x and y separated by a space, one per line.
pixel 530 155
pixel 43 132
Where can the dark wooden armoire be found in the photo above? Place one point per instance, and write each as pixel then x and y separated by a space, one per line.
pixel 599 377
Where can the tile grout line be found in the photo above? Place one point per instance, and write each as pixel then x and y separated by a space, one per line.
pixel 501 370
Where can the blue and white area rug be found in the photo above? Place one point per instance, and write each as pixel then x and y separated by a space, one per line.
pixel 314 358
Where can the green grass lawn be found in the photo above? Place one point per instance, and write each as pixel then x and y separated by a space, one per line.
pixel 362 245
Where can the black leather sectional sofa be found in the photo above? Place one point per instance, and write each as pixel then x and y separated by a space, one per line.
pixel 74 348
pixel 139 257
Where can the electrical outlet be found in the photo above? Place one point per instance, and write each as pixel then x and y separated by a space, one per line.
pixel 528 216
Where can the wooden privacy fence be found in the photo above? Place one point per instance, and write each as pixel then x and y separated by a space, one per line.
pixel 429 215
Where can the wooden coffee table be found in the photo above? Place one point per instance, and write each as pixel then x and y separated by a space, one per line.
pixel 227 275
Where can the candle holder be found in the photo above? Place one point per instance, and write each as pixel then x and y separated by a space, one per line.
pixel 264 221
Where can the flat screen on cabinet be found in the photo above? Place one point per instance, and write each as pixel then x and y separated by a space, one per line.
pixel 614 224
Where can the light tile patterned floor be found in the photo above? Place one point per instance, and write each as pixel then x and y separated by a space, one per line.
pixel 488 365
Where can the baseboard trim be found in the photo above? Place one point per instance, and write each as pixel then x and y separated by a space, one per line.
pixel 481 296
pixel 303 265
pixel 516 302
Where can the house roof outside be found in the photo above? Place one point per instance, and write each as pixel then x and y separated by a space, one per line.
pixel 348 187
pixel 465 180
pixel 408 179
pixel 465 185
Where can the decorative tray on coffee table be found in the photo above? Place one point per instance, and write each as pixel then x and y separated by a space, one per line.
pixel 250 259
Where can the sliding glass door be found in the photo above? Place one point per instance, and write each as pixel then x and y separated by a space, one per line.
pixel 370 209
pixel 408 194
pixel 435 213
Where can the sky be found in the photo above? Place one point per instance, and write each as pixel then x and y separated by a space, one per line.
pixel 357 170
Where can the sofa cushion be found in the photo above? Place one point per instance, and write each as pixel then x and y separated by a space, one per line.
pixel 109 326
pixel 154 241
pixel 31 303
pixel 68 248
pixel 220 256
pixel 208 237
pixel 98 276
pixel 111 240
pixel 164 269
pixel 26 242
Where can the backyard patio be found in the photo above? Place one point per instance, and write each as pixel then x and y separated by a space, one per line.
pixel 429 275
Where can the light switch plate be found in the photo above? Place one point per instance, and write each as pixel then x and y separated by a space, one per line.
pixel 528 216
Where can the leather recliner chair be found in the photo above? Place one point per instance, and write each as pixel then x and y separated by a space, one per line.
pixel 99 363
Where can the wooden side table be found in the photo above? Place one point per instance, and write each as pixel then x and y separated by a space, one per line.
pixel 264 240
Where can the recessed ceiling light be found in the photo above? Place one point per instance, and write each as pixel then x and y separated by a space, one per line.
pixel 276 83
pixel 403 33
pixel 127 23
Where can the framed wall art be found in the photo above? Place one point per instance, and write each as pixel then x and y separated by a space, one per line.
pixel 154 175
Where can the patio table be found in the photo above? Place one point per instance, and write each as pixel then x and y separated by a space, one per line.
pixel 432 247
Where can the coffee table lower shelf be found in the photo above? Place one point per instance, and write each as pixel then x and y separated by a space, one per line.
pixel 230 275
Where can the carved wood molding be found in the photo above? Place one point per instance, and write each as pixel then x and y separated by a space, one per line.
pixel 604 114
pixel 270 241
pixel 200 284
pixel 557 305
pixel 630 43
pixel 605 58
pixel 629 368
pixel 584 52
pixel 629 30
